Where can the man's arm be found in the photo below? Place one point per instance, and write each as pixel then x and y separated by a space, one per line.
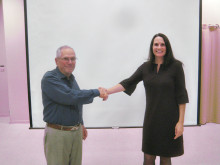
pixel 62 94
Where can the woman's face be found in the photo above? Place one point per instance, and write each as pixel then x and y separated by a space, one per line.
pixel 159 47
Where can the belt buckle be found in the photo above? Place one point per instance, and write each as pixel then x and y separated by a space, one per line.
pixel 76 127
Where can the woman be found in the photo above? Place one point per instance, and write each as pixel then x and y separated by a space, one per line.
pixel 164 84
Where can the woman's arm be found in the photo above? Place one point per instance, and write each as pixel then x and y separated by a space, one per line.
pixel 180 125
pixel 115 89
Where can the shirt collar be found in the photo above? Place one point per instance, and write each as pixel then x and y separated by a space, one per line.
pixel 62 76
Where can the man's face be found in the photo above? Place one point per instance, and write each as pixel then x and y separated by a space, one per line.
pixel 67 61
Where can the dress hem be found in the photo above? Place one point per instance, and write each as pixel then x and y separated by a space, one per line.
pixel 164 155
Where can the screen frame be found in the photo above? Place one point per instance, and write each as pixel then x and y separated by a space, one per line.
pixel 28 71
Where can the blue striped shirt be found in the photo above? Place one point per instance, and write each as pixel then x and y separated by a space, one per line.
pixel 63 100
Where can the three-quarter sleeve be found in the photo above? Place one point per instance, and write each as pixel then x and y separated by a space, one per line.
pixel 180 88
pixel 130 83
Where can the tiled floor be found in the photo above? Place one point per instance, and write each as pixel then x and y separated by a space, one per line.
pixel 20 145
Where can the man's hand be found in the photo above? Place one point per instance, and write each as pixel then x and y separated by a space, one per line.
pixel 103 93
pixel 84 132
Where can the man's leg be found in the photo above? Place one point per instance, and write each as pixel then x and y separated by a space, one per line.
pixel 57 146
pixel 76 153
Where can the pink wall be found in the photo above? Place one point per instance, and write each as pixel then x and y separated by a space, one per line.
pixel 4 106
pixel 16 60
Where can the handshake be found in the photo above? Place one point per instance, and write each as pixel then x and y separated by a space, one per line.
pixel 103 93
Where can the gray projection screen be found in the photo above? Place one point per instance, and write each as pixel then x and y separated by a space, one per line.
pixel 111 39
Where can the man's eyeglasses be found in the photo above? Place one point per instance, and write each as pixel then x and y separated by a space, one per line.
pixel 69 59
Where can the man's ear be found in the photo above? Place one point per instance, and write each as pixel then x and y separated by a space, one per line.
pixel 56 61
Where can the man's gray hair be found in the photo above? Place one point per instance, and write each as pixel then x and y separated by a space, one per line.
pixel 60 49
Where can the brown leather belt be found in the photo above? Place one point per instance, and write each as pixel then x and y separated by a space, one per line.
pixel 64 128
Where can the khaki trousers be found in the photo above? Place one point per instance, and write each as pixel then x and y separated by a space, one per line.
pixel 63 147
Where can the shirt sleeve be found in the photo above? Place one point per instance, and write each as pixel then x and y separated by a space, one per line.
pixel 180 89
pixel 130 83
pixel 60 93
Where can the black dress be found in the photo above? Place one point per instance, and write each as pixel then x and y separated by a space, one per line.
pixel 164 91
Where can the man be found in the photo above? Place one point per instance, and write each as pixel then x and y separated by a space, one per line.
pixel 63 100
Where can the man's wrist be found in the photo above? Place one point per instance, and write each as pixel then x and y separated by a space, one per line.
pixel 96 92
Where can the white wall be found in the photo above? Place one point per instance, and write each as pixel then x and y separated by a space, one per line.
pixel 211 12
pixel 13 12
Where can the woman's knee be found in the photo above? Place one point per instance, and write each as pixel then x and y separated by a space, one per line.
pixel 149 159
pixel 165 160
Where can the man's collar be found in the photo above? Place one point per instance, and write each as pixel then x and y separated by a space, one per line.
pixel 61 75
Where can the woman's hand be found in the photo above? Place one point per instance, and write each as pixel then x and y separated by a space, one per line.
pixel 179 130
pixel 180 125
